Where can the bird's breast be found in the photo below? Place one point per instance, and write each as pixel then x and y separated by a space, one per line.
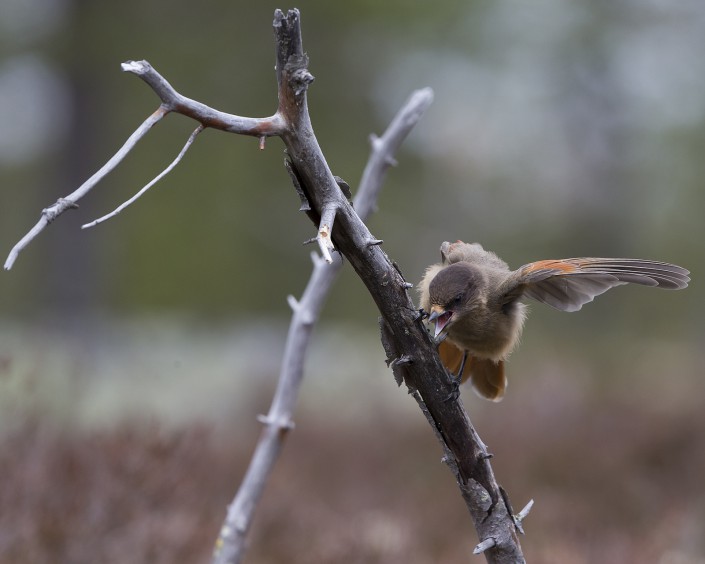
pixel 491 335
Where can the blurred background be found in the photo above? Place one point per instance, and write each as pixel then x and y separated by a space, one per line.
pixel 135 356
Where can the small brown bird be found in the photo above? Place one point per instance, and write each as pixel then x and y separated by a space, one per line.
pixel 474 299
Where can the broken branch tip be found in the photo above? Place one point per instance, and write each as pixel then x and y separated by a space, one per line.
pixel 136 67
pixel 484 545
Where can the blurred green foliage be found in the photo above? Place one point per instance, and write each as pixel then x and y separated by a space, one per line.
pixel 557 130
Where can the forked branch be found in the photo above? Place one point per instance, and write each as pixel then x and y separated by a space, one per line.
pixel 171 101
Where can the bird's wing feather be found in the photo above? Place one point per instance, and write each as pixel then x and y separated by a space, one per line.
pixel 488 378
pixel 570 283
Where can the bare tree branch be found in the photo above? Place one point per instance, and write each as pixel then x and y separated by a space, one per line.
pixel 207 116
pixel 52 212
pixel 230 545
pixel 156 179
pixel 172 101
pixel 384 148
pixel 231 542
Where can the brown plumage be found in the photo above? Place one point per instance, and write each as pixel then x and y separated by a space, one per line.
pixel 474 298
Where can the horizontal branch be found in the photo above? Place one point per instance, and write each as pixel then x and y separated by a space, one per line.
pixel 207 116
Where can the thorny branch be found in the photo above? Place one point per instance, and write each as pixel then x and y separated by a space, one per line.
pixel 410 351
pixel 231 543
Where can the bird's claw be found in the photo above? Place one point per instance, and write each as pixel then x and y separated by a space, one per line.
pixel 457 379
pixel 455 391
pixel 421 315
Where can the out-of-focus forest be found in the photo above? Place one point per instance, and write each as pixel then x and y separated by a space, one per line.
pixel 135 356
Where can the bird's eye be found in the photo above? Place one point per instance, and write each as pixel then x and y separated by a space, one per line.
pixel 458 299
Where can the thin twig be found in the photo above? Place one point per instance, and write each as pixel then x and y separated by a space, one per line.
pixel 384 148
pixel 209 117
pixel 156 179
pixel 52 212
pixel 523 514
pixel 484 545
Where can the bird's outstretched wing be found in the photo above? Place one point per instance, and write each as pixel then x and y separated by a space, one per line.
pixel 568 284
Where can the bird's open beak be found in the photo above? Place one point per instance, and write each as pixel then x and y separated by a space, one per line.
pixel 441 317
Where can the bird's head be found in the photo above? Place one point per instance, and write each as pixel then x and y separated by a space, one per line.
pixel 453 292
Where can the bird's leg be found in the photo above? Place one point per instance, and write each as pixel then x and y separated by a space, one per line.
pixel 456 379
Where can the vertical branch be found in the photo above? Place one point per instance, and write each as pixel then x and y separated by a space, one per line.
pixel 230 545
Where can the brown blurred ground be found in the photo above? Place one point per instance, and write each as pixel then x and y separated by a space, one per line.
pixel 613 483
